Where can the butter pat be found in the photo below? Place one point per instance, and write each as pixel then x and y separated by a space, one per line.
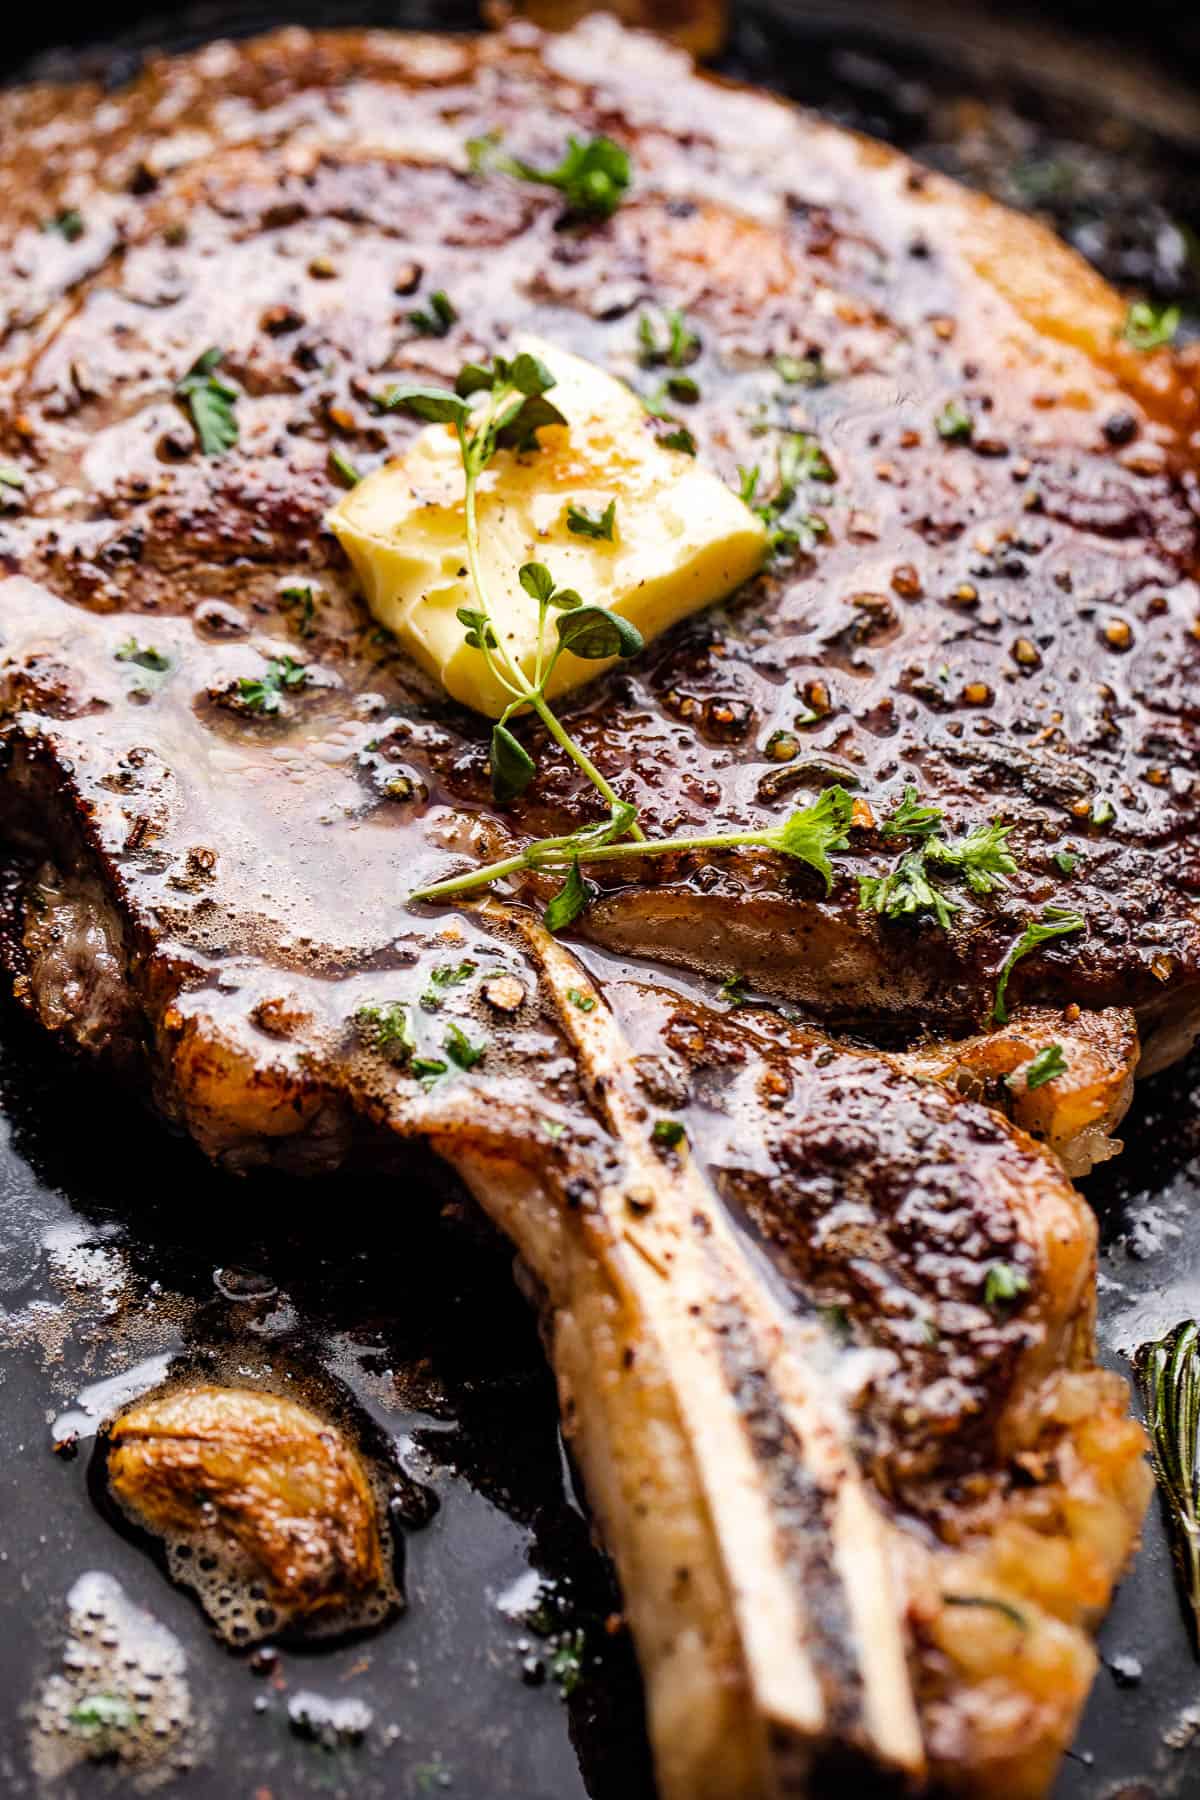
pixel 682 538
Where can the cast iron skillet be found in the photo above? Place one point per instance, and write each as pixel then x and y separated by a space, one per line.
pixel 387 1294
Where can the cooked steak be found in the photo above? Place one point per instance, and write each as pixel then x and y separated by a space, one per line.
pixel 822 1326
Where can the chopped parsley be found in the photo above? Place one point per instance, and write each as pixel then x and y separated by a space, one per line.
pixel 68 224
pixel 566 1664
pixel 1065 861
pixel 298 598
pixel 675 347
pixel 584 1003
pixel 954 423
pixel 1055 922
pixel 103 1712
pixel 459 1048
pixel 210 401
pixel 733 991
pixel 145 656
pixel 263 694
pixel 1005 1283
pixel 801 371
pixel 586 524
pixel 1045 1066
pixel 1150 327
pixel 427 1069
pixel 453 974
pixel 12 485
pixel 388 1029
pixel 681 439
pixel 668 1133
pixel 982 858
pixel 593 175
pixel 437 319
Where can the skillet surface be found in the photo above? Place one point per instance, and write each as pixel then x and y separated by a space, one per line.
pixel 118 1243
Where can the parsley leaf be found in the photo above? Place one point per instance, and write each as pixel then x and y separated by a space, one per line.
pixel 211 403
pixel 1150 327
pixel 145 657
pixel 906 890
pixel 68 224
pixel 387 1029
pixel 263 695
pixel 815 832
pixel 680 439
pixel 512 766
pixel 1004 1282
pixel 668 1133
pixel 461 1050
pixel 453 974
pixel 954 423
pixel 103 1712
pixel 571 899
pixel 341 466
pixel 1045 1066
pixel 582 1002
pixel 982 858
pixel 911 817
pixel 676 349
pixel 437 319
pixel 586 524
pixel 733 990
pixel 1065 861
pixel 593 175
pixel 299 597
pixel 1055 922
pixel 801 371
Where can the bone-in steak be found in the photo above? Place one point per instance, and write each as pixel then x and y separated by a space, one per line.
pixel 825 1357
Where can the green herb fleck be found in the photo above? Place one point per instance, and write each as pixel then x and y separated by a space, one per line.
pixel 437 319
pixel 982 858
pixel 566 1664
pixel 459 1048
pixel 67 224
pixel 264 693
pixel 427 1069
pixel 12 486
pixel 1055 922
pixel 586 524
pixel 1045 1066
pixel 733 991
pixel 571 899
pixel 298 598
pixel 680 439
pixel 668 1134
pixel 801 371
pixel 145 656
pixel 1005 1283
pixel 341 466
pixel 991 1603
pixel 1150 327
pixel 584 1002
pixel 1065 861
pixel 675 347
pixel 453 974
pixel 103 1712
pixel 386 1028
pixel 1103 812
pixel 954 423
pixel 210 402
pixel 593 176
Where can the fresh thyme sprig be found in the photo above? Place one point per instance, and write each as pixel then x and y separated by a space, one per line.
pixel 1169 1372
pixel 811 835
pixel 514 410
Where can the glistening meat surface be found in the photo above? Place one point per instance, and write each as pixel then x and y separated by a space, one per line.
pixel 865 1492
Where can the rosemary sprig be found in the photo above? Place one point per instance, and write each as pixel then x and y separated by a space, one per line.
pixel 1169 1372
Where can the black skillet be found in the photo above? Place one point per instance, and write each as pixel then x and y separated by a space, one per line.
pixel 385 1293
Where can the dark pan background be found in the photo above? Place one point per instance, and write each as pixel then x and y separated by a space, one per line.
pixel 117 1242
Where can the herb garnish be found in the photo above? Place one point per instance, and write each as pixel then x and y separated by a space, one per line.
pixel 582 1002
pixel 299 597
pixel 799 458
pixel 1046 1066
pixel 991 1603
pixel 982 858
pixel 145 656
pixel 1150 327
pixel 1065 861
pixel 1169 1373
pixel 461 1050
pixel 387 1029
pixel 437 318
pixel 211 403
pixel 801 371
pixel 566 1664
pixel 12 485
pixel 1005 1282
pixel 514 410
pixel 680 439
pixel 668 1133
pixel 954 423
pixel 733 991
pixel 103 1712
pixel 68 224
pixel 341 466
pixel 593 175
pixel 1055 922
pixel 679 347
pixel 264 693
pixel 586 524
